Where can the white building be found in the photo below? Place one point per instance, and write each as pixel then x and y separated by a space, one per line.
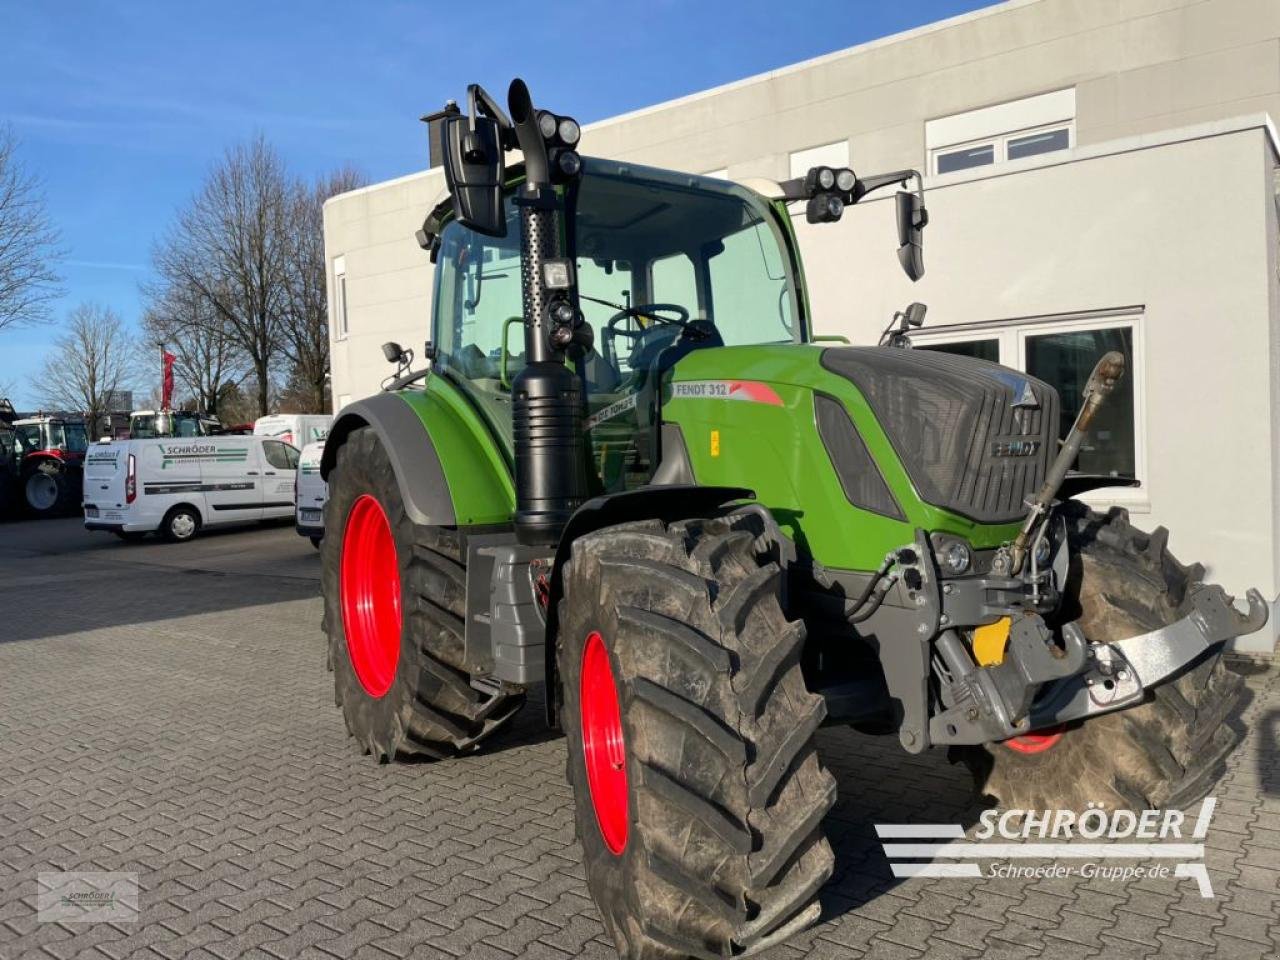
pixel 1099 175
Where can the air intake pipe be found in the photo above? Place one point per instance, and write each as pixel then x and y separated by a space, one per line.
pixel 546 395
pixel 1106 374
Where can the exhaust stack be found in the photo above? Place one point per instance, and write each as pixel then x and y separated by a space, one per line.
pixel 546 395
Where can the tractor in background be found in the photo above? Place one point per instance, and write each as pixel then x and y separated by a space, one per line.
pixel 49 452
pixel 630 477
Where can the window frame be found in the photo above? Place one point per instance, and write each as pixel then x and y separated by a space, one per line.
pixel 341 325
pixel 1000 146
pixel 1012 336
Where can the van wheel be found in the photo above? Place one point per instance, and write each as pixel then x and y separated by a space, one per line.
pixel 180 524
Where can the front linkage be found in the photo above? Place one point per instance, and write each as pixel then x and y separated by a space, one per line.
pixel 1028 681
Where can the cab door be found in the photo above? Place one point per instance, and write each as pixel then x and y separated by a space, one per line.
pixel 279 466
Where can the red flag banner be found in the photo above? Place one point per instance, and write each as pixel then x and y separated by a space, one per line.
pixel 166 389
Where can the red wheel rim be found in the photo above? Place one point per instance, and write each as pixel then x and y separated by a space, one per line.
pixel 1036 742
pixel 602 744
pixel 371 596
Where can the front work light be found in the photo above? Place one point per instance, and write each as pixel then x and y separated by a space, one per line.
pixel 824 208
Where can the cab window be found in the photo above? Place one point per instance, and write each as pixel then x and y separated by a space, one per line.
pixel 280 455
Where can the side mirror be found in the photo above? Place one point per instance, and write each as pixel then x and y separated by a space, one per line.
pixel 912 217
pixel 392 351
pixel 473 170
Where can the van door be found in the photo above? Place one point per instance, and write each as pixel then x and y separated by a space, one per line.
pixel 280 464
pixel 232 477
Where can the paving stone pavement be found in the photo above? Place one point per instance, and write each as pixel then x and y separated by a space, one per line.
pixel 169 713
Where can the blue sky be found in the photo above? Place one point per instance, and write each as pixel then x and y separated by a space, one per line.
pixel 121 107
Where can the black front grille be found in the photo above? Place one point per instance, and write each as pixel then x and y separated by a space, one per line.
pixel 975 437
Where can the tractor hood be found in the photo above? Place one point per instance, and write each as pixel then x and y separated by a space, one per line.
pixel 913 439
pixel 975 437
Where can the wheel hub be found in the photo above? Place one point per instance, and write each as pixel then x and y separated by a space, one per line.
pixel 603 747
pixel 370 583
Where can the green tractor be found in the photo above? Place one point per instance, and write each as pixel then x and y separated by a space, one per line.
pixel 632 478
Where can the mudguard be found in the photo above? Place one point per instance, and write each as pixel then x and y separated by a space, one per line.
pixel 659 502
pixel 413 455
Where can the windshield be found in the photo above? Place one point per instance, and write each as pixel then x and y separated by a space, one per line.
pixel 142 427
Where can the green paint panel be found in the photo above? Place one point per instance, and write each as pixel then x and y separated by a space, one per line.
pixel 776 450
pixel 478 475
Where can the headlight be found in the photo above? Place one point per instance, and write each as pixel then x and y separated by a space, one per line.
pixel 547 124
pixel 826 178
pixel 955 557
pixel 569 130
pixel 845 180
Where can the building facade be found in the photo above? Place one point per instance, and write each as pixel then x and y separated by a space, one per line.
pixel 1099 176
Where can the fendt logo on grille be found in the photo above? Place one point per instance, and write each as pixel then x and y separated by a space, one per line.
pixel 1015 448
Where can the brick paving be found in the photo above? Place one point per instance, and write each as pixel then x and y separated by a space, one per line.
pixel 192 739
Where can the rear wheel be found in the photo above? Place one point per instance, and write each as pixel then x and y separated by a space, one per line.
pixel 395 598
pixel 1165 752
pixel 180 524
pixel 48 489
pixel 699 793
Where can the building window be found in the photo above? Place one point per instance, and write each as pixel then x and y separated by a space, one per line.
pixel 827 155
pixel 1063 354
pixel 339 298
pixel 1006 131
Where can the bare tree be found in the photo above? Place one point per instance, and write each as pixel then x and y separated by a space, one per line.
pixel 92 359
pixel 231 245
pixel 28 243
pixel 208 357
pixel 305 326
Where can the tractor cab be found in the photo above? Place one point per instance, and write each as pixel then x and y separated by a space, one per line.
pixel 150 424
pixel 666 264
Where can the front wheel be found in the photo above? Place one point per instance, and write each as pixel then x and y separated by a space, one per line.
pixel 180 524
pixel 1165 752
pixel 698 790
pixel 394 607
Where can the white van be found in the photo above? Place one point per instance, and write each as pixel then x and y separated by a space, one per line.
pixel 310 493
pixel 177 485
pixel 297 429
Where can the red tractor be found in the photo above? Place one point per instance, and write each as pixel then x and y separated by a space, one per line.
pixel 49 453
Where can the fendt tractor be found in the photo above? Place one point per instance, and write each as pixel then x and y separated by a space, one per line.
pixel 632 477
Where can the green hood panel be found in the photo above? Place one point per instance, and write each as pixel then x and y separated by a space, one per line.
pixel 767 438
pixel 475 467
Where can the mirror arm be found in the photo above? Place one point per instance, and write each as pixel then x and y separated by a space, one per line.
pixel 868 185
pixel 478 100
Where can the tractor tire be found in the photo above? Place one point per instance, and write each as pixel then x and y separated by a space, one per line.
pixel 48 490
pixel 394 607
pixel 1165 752
pixel 698 791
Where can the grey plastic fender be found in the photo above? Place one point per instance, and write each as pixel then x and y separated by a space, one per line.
pixel 408 445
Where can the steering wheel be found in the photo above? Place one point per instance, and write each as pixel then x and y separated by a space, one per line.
pixel 648 311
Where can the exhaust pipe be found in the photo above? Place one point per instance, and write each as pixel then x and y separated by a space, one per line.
pixel 1102 381
pixel 546 395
